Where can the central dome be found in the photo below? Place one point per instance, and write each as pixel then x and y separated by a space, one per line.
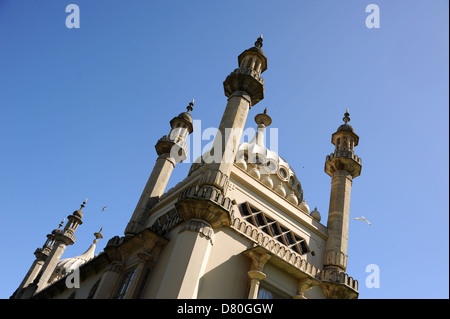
pixel 268 167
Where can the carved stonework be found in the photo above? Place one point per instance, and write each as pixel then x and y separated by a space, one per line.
pixel 199 226
pixel 338 285
pixel 304 285
pixel 166 222
pixel 258 260
pixel 204 203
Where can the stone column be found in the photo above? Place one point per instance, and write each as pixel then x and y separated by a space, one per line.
pixel 109 281
pixel 256 273
pixel 188 261
pixel 50 265
pixel 154 188
pixel 338 220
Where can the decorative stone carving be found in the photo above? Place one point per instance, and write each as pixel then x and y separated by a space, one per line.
pixel 199 226
pixel 204 203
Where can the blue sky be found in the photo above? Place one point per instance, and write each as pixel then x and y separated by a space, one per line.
pixel 81 110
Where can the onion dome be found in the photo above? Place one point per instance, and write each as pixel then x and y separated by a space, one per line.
pixel 79 213
pixel 274 171
pixel 185 117
pixel 67 265
pixel 315 214
pixel 304 207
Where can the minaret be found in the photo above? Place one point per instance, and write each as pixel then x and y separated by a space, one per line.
pixel 41 256
pixel 171 149
pixel 62 239
pixel 244 88
pixel 204 207
pixel 343 166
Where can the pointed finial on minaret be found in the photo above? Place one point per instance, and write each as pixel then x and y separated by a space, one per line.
pixel 60 224
pixel 346 118
pixel 84 204
pixel 98 235
pixel 190 107
pixel 259 42
pixel 263 118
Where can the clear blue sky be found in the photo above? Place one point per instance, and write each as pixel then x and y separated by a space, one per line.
pixel 81 110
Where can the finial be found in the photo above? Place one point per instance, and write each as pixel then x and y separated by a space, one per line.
pixel 263 118
pixel 60 224
pixel 84 204
pixel 259 42
pixel 190 107
pixel 98 235
pixel 346 118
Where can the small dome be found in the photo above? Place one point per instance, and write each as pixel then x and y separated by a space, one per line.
pixel 78 213
pixel 345 128
pixel 185 116
pixel 304 207
pixel 315 214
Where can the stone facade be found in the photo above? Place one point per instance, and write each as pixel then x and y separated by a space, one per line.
pixel 233 228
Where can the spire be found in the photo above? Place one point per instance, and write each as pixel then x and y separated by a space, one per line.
pixel 190 107
pixel 346 118
pixel 60 224
pixel 259 42
pixel 263 119
pixel 79 213
pixel 98 235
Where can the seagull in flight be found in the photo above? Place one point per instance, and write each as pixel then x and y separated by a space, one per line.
pixel 363 219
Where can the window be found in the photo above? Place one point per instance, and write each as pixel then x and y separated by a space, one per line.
pixel 273 228
pixel 269 292
pixel 125 283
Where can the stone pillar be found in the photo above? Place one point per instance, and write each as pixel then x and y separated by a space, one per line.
pixel 109 281
pixel 155 187
pixel 32 273
pixel 188 261
pixel 50 265
pixel 338 220
pixel 171 149
pixel 225 144
pixel 256 273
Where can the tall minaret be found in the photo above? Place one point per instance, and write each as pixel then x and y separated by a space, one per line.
pixel 204 206
pixel 57 243
pixel 343 166
pixel 171 149
pixel 62 239
pixel 244 88
pixel 41 256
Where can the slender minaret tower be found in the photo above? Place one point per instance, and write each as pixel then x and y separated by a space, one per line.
pixel 62 239
pixel 244 88
pixel 204 206
pixel 41 256
pixel 171 149
pixel 343 166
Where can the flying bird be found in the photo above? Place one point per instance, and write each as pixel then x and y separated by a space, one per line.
pixel 363 219
pixel 104 208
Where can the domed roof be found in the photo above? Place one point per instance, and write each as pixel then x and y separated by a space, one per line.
pixel 185 116
pixel 345 128
pixel 315 214
pixel 67 265
pixel 268 166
